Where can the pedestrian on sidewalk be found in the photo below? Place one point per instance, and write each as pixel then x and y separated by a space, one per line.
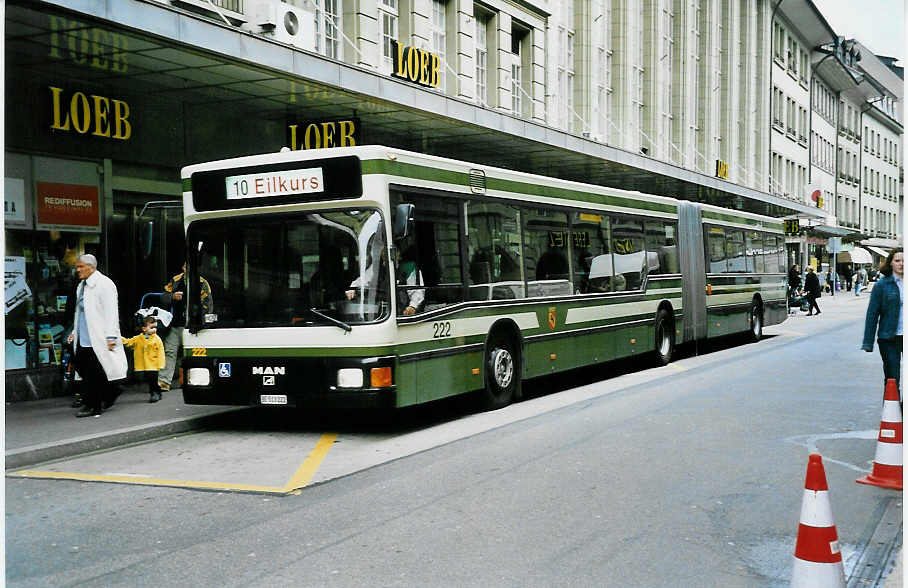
pixel 884 315
pixel 175 297
pixel 794 278
pixel 100 360
pixel 812 290
pixel 858 280
pixel 148 356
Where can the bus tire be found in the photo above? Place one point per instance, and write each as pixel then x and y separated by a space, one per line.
pixel 755 321
pixel 664 337
pixel 502 372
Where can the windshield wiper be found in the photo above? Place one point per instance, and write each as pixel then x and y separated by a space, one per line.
pixel 331 320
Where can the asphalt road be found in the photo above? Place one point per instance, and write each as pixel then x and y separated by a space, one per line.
pixel 689 475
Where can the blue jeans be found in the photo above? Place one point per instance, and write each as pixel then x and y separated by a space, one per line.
pixel 891 352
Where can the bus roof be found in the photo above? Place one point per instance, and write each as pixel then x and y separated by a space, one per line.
pixel 392 161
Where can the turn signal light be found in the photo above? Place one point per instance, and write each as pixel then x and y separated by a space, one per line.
pixel 380 377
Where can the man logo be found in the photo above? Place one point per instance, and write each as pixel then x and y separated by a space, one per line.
pixel 277 371
pixel 267 380
pixel 224 370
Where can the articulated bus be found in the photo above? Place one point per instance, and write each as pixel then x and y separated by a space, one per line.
pixel 376 277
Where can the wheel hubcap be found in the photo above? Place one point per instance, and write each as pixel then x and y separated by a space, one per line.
pixel 502 367
pixel 665 344
pixel 755 321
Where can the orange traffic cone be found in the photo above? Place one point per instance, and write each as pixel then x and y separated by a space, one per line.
pixel 817 559
pixel 887 465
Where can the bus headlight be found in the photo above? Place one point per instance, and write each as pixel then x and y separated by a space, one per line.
pixel 350 378
pixel 198 377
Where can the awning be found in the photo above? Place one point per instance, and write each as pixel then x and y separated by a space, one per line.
pixel 856 255
pixel 878 251
pixel 828 231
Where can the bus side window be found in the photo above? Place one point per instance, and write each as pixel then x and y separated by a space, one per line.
pixel 715 250
pixel 547 248
pixel 661 248
pixel 753 248
pixel 734 248
pixel 629 253
pixel 495 264
pixel 436 235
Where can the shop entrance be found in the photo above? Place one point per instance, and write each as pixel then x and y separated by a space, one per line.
pixel 137 269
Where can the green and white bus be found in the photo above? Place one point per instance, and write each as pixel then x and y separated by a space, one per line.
pixel 376 277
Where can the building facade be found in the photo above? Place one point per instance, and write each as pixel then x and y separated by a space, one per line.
pixel 729 102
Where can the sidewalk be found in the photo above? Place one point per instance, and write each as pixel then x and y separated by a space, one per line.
pixel 43 430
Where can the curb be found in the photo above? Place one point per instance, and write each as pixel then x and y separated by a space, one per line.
pixel 34 454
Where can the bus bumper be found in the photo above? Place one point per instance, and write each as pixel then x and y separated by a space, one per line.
pixel 302 382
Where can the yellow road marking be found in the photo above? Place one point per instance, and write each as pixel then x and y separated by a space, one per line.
pixel 310 466
pixel 301 478
pixel 148 481
pixel 676 367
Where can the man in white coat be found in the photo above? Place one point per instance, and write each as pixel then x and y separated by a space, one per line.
pixel 100 359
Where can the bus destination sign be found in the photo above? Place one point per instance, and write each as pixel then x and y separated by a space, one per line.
pixel 275 183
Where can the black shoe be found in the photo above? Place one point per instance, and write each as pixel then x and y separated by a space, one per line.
pixel 84 412
pixel 77 402
pixel 809 314
pixel 155 396
pixel 818 312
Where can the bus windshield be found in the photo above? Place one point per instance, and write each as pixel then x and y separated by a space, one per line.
pixel 298 269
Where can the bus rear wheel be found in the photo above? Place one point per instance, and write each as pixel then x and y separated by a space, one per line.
pixel 665 337
pixel 756 322
pixel 502 373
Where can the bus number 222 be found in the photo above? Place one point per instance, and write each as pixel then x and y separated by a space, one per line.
pixel 442 329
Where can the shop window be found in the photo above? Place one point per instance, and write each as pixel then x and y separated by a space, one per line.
pixel 40 294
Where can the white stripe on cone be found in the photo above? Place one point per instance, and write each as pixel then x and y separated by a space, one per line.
pixel 892 413
pixel 888 454
pixel 808 574
pixel 815 509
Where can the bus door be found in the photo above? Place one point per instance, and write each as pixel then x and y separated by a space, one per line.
pixel 141 263
pixel 693 271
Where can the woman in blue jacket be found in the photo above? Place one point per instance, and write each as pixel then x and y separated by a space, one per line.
pixel 885 310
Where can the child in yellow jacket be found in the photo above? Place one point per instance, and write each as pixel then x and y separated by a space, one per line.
pixel 148 356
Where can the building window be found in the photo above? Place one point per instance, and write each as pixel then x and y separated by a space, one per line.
pixel 519 40
pixel 387 24
pixel 327 27
pixel 566 67
pixel 482 56
pixel 438 25
pixel 666 58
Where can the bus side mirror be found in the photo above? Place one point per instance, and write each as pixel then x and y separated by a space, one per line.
pixel 146 238
pixel 403 216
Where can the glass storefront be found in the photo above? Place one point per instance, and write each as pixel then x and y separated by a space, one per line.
pixel 40 286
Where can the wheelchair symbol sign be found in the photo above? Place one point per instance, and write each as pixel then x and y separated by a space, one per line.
pixel 224 370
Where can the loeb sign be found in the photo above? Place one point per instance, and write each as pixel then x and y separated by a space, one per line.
pixel 415 65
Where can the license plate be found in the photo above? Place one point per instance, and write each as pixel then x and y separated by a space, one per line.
pixel 273 399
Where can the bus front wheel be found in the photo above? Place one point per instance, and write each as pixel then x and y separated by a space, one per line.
pixel 502 373
pixel 665 337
